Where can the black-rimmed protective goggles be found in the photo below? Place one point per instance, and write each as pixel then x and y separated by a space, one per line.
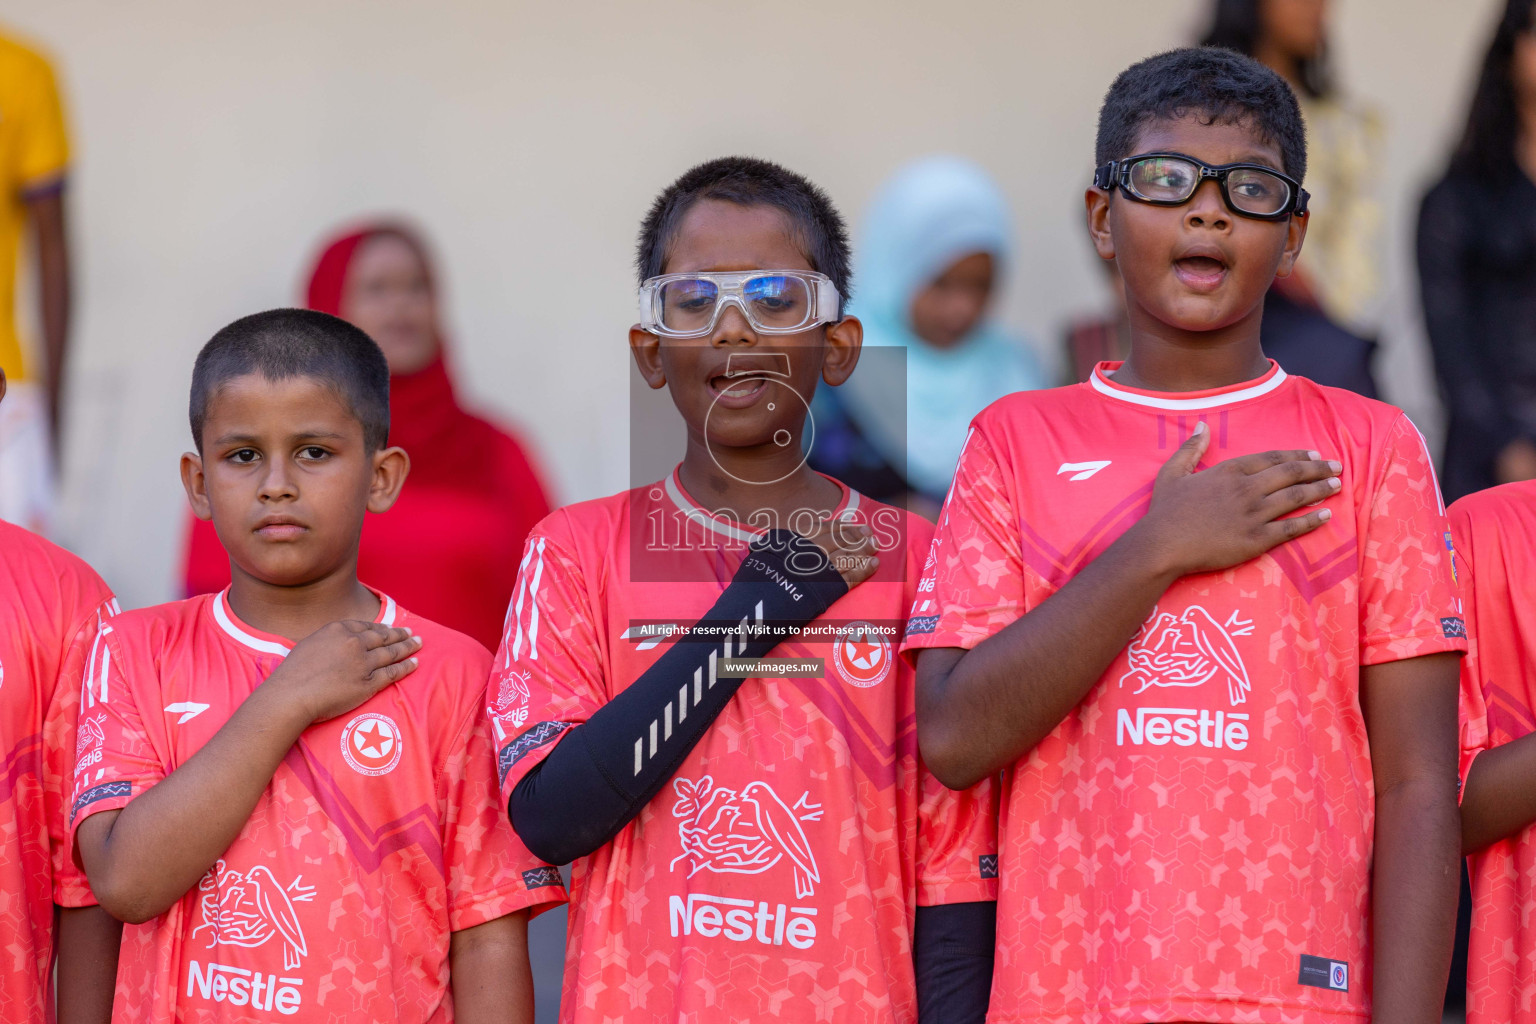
pixel 1170 179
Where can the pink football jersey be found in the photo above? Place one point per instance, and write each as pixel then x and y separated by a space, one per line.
pixel 379 835
pixel 50 606
pixel 1193 842
pixel 1495 535
pixel 778 873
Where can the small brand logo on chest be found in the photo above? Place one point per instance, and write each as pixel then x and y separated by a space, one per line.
pixel 1082 470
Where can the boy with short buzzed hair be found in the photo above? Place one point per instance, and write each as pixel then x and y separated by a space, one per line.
pixel 299 830
pixel 751 841
pixel 1201 614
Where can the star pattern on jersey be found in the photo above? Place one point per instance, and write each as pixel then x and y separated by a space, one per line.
pixel 368 844
pixel 1311 576
pixel 1057 566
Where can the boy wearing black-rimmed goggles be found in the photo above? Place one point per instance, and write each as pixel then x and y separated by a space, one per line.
pixel 1170 179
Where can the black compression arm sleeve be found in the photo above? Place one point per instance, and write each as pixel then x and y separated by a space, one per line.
pixel 605 770
pixel 952 951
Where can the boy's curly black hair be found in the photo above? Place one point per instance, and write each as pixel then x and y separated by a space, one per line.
pixel 1219 86
pixel 746 181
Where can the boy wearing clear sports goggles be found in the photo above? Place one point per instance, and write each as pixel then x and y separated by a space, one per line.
pixel 773 301
pixel 739 322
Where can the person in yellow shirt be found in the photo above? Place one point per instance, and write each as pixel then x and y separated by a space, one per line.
pixel 34 156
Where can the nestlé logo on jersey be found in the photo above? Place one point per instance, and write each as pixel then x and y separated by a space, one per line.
pixel 1189 650
pixel 749 831
pixel 512 696
pixel 252 910
pixel 371 744
pixel 89 737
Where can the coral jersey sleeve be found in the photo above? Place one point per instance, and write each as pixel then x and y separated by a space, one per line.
pixel 1406 581
pixel 547 676
pixel 116 753
pixel 973 583
pixel 1474 737
pixel 956 843
pixel 490 872
pixel 70 888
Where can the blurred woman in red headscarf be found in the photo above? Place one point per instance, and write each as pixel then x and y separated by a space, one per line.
pixel 449 548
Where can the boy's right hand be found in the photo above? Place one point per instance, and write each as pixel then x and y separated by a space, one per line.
pixel 850 547
pixel 1230 513
pixel 339 666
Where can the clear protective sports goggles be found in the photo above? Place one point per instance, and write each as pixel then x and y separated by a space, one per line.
pixel 1170 179
pixel 773 301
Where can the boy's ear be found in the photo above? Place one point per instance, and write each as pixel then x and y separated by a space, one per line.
pixel 1103 240
pixel 195 483
pixel 845 340
pixel 646 348
pixel 390 468
pixel 1295 234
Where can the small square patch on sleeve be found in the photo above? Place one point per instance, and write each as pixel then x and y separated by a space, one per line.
pixel 1321 972
pixel 988 862
pixel 1454 627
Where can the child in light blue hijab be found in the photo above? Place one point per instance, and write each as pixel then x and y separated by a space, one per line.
pixel 935 240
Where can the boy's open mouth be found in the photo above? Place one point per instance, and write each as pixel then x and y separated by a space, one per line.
pixel 737 391
pixel 1200 272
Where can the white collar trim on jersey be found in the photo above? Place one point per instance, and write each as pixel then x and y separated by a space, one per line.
pixel 229 625
pixel 726 529
pixel 1264 387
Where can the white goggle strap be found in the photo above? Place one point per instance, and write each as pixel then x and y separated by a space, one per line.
pixel 648 305
pixel 827 302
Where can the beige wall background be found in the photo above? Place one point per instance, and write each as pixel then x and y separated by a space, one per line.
pixel 216 142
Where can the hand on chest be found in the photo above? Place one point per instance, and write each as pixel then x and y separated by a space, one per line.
pixel 1078 496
